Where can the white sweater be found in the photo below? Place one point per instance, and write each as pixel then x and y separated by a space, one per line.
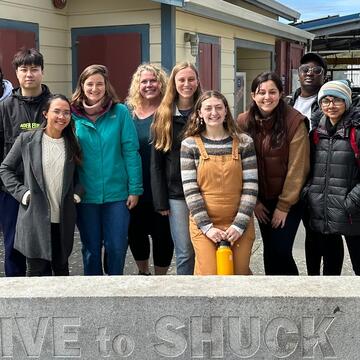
pixel 53 160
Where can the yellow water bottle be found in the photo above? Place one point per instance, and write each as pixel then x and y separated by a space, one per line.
pixel 224 259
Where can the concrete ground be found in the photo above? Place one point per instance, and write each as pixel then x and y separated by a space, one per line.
pixel 75 261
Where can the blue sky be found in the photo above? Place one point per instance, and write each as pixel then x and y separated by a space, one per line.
pixel 312 9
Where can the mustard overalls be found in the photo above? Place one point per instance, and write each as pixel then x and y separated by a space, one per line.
pixel 219 178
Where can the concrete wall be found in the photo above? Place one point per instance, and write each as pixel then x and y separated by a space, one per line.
pixel 180 317
pixel 186 22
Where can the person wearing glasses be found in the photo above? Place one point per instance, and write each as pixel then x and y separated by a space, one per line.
pixel 282 149
pixel 45 191
pixel 110 171
pixel 332 193
pixel 312 72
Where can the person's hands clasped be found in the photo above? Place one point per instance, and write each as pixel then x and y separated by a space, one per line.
pixel 232 235
pixel 261 213
pixel 164 212
pixel 216 235
pixel 278 219
pixel 132 201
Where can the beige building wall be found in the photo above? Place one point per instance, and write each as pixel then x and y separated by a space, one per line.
pixel 186 22
pixel 55 33
pixel 253 62
pixel 119 12
pixel 53 37
pixel 55 28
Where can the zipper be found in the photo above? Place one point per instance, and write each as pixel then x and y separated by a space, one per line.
pixel 327 180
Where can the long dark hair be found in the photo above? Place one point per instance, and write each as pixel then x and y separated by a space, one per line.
pixel 68 132
pixel 279 132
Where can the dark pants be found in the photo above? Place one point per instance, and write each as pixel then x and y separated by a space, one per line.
pixel 57 266
pixel 15 262
pixel 330 248
pixel 278 243
pixel 145 221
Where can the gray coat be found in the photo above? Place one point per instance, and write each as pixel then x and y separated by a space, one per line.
pixel 33 228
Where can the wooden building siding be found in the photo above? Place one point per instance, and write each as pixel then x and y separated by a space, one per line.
pixel 54 40
pixel 186 22
pixel 55 29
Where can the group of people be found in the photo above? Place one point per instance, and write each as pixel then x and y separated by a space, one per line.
pixel 172 163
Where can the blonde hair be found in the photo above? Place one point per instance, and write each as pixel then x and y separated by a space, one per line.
pixel 162 125
pixel 134 98
pixel 79 94
pixel 195 126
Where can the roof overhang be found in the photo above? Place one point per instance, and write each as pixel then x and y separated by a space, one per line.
pixel 334 33
pixel 276 8
pixel 235 15
pixel 171 2
pixel 338 29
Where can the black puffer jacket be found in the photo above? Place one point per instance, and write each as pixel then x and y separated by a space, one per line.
pixel 332 193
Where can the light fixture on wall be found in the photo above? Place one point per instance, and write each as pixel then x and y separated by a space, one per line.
pixel 193 39
pixel 59 4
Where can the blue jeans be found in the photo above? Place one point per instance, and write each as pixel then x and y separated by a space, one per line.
pixel 179 227
pixel 15 262
pixel 103 225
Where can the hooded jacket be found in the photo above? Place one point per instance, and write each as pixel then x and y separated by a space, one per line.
pixel 17 114
pixel 7 89
pixel 332 193
pixel 20 113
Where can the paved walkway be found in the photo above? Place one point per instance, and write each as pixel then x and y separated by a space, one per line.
pixel 75 261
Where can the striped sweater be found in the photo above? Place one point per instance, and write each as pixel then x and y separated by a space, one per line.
pixel 189 162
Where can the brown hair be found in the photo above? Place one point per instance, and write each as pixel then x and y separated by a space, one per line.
pixel 195 126
pixel 79 95
pixel 162 125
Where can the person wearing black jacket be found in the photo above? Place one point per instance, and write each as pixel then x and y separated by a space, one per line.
pixel 332 193
pixel 312 73
pixel 182 91
pixel 20 112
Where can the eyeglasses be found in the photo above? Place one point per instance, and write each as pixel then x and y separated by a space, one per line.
pixel 335 101
pixel 316 70
pixel 65 114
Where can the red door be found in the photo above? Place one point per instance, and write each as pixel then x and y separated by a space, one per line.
pixel 11 41
pixel 209 66
pixel 121 53
pixel 288 57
